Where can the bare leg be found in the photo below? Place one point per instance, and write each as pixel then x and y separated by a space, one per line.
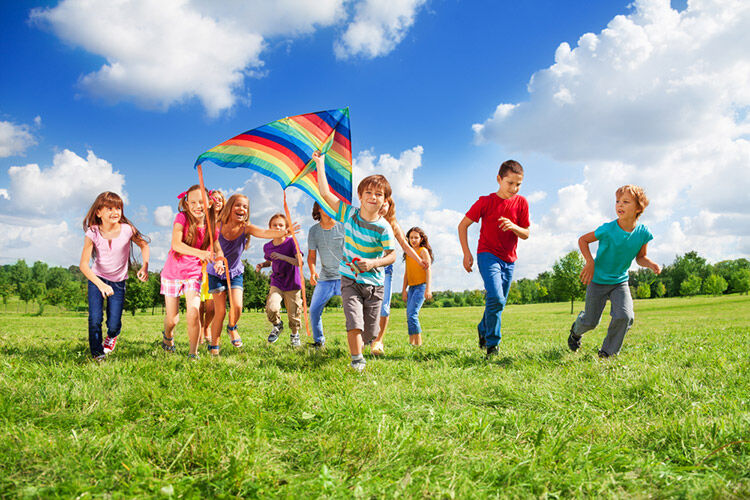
pixel 234 314
pixel 208 307
pixel 171 317
pixel 354 338
pixel 220 310
pixel 383 327
pixel 193 303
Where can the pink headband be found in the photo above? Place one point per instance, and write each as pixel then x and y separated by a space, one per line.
pixel 181 195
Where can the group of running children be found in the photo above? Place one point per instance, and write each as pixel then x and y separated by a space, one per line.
pixel 356 252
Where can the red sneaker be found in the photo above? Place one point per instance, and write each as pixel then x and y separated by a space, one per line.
pixel 109 344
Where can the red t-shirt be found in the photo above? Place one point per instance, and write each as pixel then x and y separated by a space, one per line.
pixel 492 239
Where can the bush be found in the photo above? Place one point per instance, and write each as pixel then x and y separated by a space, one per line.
pixel 643 291
pixel 714 285
pixel 691 286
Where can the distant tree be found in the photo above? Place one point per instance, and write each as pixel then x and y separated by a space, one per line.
pixel 660 289
pixel 157 299
pixel 514 294
pixel 335 301
pixel 566 282
pixel 137 294
pixel 56 278
pixel 74 294
pixel 714 285
pixel 20 274
pixel 33 291
pixel 6 285
pixel 689 264
pixel 740 281
pixel 39 272
pixel 691 285
pixel 643 291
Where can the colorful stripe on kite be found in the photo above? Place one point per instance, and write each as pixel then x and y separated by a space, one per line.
pixel 283 151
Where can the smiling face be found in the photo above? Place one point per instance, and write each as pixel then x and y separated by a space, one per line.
pixel 414 239
pixel 109 215
pixel 510 184
pixel 371 200
pixel 194 203
pixel 240 210
pixel 626 207
pixel 278 223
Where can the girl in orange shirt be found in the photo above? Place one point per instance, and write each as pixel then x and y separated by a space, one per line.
pixel 418 280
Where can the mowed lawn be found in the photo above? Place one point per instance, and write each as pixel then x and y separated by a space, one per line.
pixel 668 417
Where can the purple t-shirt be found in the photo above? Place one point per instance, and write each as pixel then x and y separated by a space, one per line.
pixel 284 276
pixel 232 250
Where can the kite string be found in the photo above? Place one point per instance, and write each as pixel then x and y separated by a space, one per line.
pixel 301 273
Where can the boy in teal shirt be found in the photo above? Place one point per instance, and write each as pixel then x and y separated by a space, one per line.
pixel 606 277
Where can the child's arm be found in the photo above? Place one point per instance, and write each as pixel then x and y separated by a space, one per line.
pixel 88 247
pixel 311 259
pixel 404 295
pixel 389 258
pixel 644 261
pixel 399 234
pixel 587 273
pixel 183 248
pixel 508 225
pixel 142 273
pixel 463 238
pixel 263 264
pixel 325 191
pixel 270 234
pixel 295 261
pixel 428 288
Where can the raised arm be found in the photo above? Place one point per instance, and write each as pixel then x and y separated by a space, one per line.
pixel 398 233
pixel 644 261
pixel 587 273
pixel 463 238
pixel 325 191
pixel 270 234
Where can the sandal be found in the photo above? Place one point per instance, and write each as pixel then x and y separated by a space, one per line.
pixel 235 342
pixel 214 349
pixel 193 357
pixel 164 345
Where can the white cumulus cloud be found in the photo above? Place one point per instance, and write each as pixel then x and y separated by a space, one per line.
pixel 14 139
pixel 164 216
pixel 378 27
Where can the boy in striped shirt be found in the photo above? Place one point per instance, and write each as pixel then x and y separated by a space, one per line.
pixel 368 247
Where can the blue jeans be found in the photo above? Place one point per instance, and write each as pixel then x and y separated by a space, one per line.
pixel 324 291
pixel 497 275
pixel 414 301
pixel 385 307
pixel 115 303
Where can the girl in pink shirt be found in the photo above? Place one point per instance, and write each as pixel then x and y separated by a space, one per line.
pixel 109 240
pixel 182 273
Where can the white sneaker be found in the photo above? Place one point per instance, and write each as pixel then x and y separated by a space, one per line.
pixel 376 349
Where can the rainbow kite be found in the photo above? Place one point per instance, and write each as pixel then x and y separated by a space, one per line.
pixel 283 151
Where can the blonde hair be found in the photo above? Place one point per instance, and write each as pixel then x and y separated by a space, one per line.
pixel 638 194
pixel 226 213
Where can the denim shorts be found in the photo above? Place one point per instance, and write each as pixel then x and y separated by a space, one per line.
pixel 216 284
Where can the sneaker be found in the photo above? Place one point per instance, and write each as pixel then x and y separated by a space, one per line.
pixel 100 358
pixel 109 344
pixel 295 340
pixel 603 354
pixel 574 341
pixel 377 349
pixel 358 366
pixel 275 331
pixel 491 352
pixel 317 345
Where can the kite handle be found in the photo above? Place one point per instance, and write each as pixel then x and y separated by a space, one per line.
pixel 301 274
pixel 210 229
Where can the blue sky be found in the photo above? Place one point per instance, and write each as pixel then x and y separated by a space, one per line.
pixel 586 95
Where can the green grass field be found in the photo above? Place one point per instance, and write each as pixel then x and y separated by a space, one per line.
pixel 669 417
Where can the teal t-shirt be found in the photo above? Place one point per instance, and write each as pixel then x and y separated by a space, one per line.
pixel 617 249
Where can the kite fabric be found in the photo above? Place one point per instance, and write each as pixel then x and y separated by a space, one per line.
pixel 283 151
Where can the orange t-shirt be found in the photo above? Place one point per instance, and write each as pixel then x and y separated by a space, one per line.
pixel 416 274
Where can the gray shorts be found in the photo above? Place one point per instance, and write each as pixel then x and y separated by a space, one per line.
pixel 361 307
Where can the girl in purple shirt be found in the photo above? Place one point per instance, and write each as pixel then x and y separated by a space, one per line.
pixel 234 238
pixel 109 240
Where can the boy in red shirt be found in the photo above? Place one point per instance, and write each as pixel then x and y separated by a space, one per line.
pixel 505 218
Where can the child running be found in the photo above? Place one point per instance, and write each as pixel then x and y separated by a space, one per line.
pixel 235 231
pixel 368 246
pixel 109 238
pixel 389 212
pixel 505 218
pixel 182 273
pixel 606 276
pixel 286 281
pixel 206 311
pixel 419 282
pixel 325 240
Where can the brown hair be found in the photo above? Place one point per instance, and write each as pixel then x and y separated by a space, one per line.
pixel 226 213
pixel 424 243
pixel 216 194
pixel 390 214
pixel 638 194
pixel 279 215
pixel 190 236
pixel 316 211
pixel 375 182
pixel 510 166
pixel 109 199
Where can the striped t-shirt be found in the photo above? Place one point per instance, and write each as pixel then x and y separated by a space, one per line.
pixel 363 239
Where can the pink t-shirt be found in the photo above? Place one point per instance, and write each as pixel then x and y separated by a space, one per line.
pixel 180 266
pixel 492 239
pixel 111 256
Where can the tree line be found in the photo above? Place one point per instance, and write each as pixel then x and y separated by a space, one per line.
pixel 689 274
